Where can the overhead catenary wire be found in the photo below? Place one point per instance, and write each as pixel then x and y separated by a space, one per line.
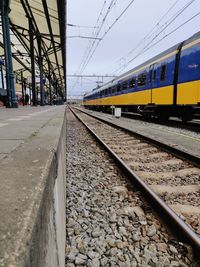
pixel 112 3
pixel 147 36
pixel 106 32
pixel 95 34
pixel 80 26
pixel 166 13
pixel 149 32
pixel 174 30
pixel 163 27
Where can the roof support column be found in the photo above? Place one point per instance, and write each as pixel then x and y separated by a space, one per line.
pixel 56 87
pixel 11 93
pixel 32 54
pixel 22 81
pixel 40 60
pixel 2 77
pixel 50 83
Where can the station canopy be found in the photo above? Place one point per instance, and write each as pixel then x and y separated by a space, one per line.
pixel 48 24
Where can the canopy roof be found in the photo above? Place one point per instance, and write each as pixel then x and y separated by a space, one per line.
pixel 48 20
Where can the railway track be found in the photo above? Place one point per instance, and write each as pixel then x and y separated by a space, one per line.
pixel 170 183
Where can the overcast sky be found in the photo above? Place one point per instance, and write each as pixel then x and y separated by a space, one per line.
pixel 114 51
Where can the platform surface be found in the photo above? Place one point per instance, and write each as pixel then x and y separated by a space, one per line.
pixel 29 139
pixel 16 125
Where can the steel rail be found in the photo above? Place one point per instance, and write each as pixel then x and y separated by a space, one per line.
pixel 181 230
pixel 195 160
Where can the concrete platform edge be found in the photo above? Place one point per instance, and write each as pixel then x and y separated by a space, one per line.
pixel 38 237
pixel 49 235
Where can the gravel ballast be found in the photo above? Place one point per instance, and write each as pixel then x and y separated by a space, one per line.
pixel 107 222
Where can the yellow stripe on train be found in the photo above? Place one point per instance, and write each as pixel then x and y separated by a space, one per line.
pixel 163 95
pixel 187 93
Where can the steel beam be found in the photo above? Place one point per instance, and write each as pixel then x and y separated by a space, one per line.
pixel 22 81
pixel 40 61
pixel 30 16
pixel 62 10
pixel 2 77
pixel 32 54
pixel 50 83
pixel 16 58
pixel 51 33
pixel 11 93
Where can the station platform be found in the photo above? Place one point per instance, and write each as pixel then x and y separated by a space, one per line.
pixel 32 172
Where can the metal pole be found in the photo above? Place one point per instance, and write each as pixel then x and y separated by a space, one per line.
pixel 22 80
pixel 2 78
pixel 30 94
pixel 37 92
pixel 25 92
pixel 11 93
pixel 40 59
pixel 56 87
pixel 49 75
pixel 32 63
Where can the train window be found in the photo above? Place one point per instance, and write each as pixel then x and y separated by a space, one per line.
pixel 142 79
pixel 106 91
pixel 125 85
pixel 132 83
pixel 109 90
pixel 162 72
pixel 118 87
pixel 154 75
pixel 113 90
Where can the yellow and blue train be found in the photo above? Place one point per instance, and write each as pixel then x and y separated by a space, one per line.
pixel 166 85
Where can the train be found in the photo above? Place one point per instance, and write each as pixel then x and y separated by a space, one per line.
pixel 164 86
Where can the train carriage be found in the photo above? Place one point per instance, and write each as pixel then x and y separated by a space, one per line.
pixel 166 85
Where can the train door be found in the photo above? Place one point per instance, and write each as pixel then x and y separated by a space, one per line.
pixel 152 79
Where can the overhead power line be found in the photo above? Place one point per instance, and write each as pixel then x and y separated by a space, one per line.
pixel 162 28
pixel 106 32
pixel 180 26
pixel 96 34
pixel 79 26
pixel 147 36
pixel 158 23
pixel 84 37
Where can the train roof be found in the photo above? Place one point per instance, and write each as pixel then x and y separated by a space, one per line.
pixel 129 73
pixel 192 38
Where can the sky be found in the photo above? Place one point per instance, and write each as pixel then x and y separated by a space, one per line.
pixel 145 29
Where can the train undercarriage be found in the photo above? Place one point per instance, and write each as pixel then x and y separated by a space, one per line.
pixel 161 113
